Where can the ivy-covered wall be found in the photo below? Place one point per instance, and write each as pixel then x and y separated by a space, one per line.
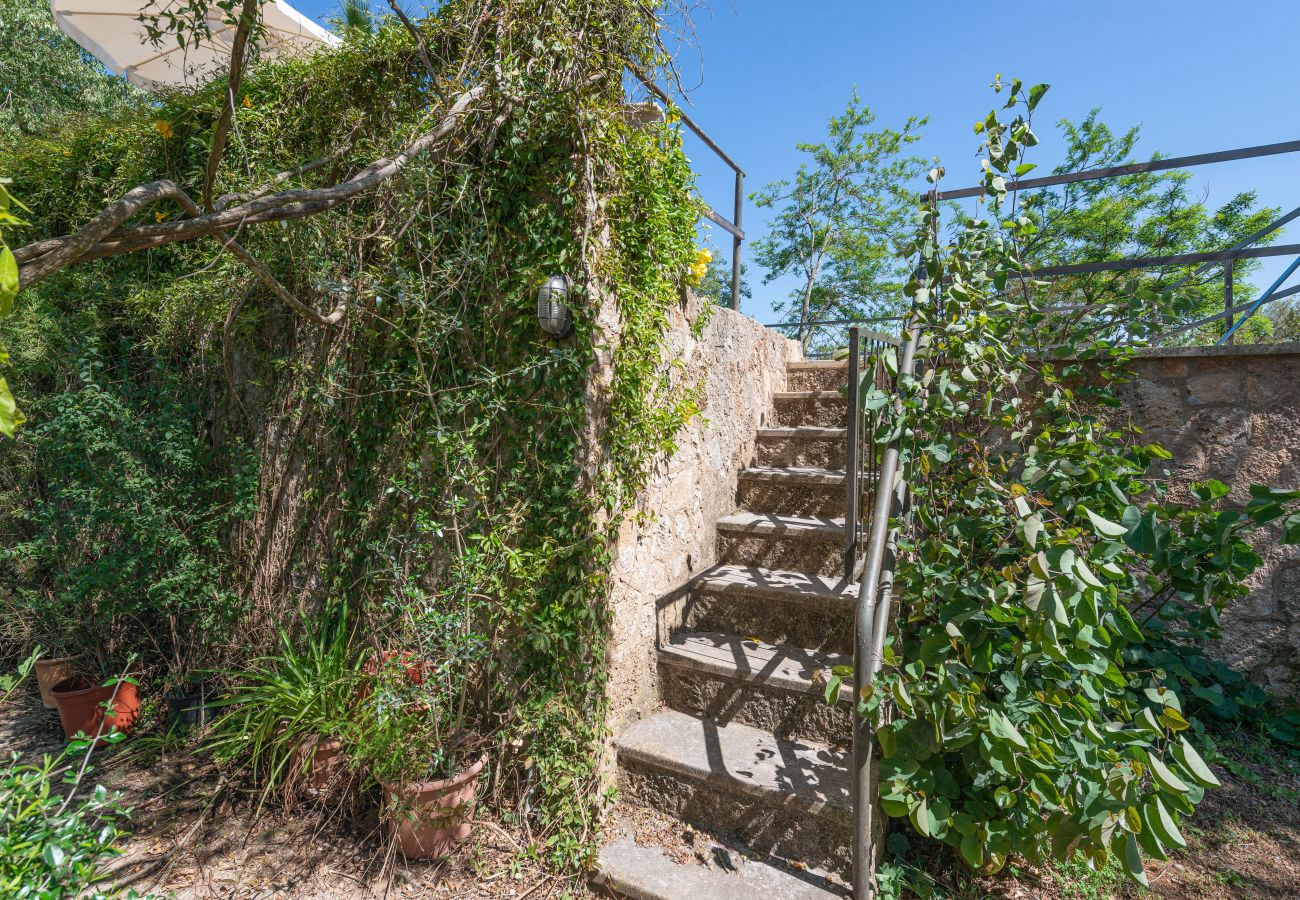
pixel 434 468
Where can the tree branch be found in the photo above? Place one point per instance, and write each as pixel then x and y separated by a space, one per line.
pixel 239 45
pixel 103 235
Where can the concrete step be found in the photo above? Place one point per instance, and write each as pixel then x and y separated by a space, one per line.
pixel 646 873
pixel 778 606
pixel 802 447
pixel 813 544
pixel 791 490
pixel 729 678
pixel 822 408
pixel 787 798
pixel 816 375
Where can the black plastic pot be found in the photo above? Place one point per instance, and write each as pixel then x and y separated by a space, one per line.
pixel 191 710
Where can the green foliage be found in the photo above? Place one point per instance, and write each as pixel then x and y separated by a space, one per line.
pixel 435 460
pixel 1143 215
pixel 288 701
pixel 1045 569
pixel 46 80
pixel 838 224
pixel 52 846
pixel 10 416
pixel 124 531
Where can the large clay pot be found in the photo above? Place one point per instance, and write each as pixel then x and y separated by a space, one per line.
pixel 326 759
pixel 80 704
pixel 432 818
pixel 50 672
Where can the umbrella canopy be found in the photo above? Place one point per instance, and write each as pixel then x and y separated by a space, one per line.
pixel 112 32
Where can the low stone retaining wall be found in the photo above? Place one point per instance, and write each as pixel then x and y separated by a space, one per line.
pixel 1233 413
pixel 738 365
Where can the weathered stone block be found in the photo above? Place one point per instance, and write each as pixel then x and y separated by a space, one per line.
pixel 1219 386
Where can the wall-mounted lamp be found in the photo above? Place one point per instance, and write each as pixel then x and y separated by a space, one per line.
pixel 552 312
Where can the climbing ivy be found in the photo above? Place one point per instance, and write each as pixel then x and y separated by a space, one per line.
pixel 436 462
pixel 1046 576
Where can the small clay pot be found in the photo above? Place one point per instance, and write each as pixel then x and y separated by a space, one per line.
pixel 192 710
pixel 80 704
pixel 50 672
pixel 326 759
pixel 432 818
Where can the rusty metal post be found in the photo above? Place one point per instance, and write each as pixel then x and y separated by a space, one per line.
pixel 736 239
pixel 1227 300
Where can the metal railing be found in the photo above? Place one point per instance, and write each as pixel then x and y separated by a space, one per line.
pixel 1233 316
pixel 870 560
pixel 861 457
pixel 732 227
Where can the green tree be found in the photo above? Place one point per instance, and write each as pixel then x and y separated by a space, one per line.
pixel 1142 215
pixel 839 221
pixel 45 77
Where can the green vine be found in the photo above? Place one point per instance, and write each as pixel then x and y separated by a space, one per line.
pixel 1046 574
pixel 436 462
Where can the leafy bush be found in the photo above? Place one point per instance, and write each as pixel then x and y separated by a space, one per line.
pixel 52 845
pixel 1046 578
pixel 127 524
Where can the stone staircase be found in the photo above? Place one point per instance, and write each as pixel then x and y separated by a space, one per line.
pixel 746 749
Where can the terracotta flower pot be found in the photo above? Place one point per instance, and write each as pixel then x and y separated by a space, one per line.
pixel 50 672
pixel 79 701
pixel 432 818
pixel 416 669
pixel 326 759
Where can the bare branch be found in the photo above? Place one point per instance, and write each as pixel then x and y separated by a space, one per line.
pixel 247 15
pixel 421 48
pixel 101 236
pixel 262 190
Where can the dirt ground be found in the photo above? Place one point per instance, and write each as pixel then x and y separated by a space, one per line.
pixel 196 835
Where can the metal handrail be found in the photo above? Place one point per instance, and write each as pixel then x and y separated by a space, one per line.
pixel 890 493
pixel 734 227
pixel 861 463
pixel 1243 249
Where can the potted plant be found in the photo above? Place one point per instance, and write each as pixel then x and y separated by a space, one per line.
pixel 94 709
pixel 288 711
pixel 419 737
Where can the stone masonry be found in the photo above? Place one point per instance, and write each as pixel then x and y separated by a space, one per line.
pixel 1233 413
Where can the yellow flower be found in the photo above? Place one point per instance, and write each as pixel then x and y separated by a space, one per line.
pixel 159 216
pixel 248 104
pixel 164 128
pixel 700 267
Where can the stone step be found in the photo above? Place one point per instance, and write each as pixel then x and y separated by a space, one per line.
pixel 813 544
pixel 824 408
pixel 804 447
pixel 791 490
pixel 778 688
pixel 816 375
pixel 646 873
pixel 787 798
pixel 777 606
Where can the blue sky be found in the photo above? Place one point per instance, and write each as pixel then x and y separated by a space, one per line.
pixel 1197 75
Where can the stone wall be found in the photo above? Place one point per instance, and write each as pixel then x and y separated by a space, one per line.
pixel 738 365
pixel 1234 414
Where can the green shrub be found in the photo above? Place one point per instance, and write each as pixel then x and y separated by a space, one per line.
pixel 1046 580
pixel 126 526
pixel 53 844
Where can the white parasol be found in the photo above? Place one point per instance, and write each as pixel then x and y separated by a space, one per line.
pixel 112 32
